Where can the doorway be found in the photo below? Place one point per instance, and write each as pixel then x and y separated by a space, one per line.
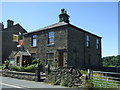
pixel 60 60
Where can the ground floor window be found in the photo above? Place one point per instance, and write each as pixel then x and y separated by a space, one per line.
pixel 18 61
pixel 50 59
pixel 33 56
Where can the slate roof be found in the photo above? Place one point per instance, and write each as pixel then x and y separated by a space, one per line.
pixel 58 25
pixel 50 26
pixel 11 28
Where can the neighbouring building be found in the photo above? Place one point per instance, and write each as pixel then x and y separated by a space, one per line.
pixel 0 43
pixel 63 44
pixel 10 38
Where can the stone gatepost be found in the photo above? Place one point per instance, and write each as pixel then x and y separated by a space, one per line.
pixel 37 71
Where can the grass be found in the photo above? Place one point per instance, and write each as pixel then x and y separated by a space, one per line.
pixel 102 82
pixel 0 67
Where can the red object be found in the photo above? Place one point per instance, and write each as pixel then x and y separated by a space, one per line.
pixel 21 42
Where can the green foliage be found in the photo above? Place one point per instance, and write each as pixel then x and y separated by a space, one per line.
pixel 36 61
pixel 88 84
pixel 30 68
pixel 83 71
pixel 6 64
pixel 0 67
pixel 111 61
pixel 100 81
pixel 15 68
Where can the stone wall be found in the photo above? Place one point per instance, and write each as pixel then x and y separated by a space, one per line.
pixel 19 75
pixel 66 77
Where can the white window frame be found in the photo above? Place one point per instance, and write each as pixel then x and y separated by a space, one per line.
pixel 34 44
pixel 50 42
pixel 49 59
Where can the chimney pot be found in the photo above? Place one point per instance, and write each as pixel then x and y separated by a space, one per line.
pixel 2 26
pixel 9 23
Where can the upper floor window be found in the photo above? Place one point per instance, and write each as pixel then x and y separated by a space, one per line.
pixel 51 38
pixel 97 43
pixel 15 37
pixel 34 40
pixel 87 41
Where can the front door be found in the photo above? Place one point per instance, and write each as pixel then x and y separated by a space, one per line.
pixel 60 62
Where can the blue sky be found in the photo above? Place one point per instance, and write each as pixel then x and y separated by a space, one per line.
pixel 100 18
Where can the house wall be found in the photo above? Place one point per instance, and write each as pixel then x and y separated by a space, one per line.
pixel 60 42
pixel 8 45
pixel 75 47
pixel 79 55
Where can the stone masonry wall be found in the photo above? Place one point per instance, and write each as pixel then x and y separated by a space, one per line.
pixel 19 75
pixel 66 77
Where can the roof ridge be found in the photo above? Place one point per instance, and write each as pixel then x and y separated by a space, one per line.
pixel 50 26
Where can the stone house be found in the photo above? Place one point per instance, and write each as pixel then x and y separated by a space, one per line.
pixel 63 44
pixel 10 38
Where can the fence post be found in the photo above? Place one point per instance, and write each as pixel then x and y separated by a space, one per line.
pixel 106 79
pixel 89 72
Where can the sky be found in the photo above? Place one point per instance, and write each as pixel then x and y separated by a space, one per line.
pixel 100 18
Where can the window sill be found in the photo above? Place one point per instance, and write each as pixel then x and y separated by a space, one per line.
pixel 88 47
pixel 33 46
pixel 51 45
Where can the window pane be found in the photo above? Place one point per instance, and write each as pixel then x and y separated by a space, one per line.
pixel 87 38
pixel 34 36
pixel 34 42
pixel 51 34
pixel 87 41
pixel 50 56
pixel 51 38
pixel 87 44
pixel 97 43
pixel 15 37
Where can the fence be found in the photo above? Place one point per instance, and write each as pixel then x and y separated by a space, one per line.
pixel 106 79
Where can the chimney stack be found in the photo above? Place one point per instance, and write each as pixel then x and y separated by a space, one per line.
pixel 63 17
pixel 2 26
pixel 10 23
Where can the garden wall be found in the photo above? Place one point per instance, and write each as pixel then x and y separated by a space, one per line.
pixel 66 77
pixel 19 75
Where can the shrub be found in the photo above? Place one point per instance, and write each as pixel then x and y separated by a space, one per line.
pixel 30 68
pixel 21 69
pixel 13 68
pixel 36 61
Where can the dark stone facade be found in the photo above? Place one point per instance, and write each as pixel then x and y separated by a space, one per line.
pixel 69 46
pixel 8 45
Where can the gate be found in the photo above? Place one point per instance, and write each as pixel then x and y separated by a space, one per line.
pixel 105 79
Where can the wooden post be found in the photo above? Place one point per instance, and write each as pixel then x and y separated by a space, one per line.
pixel 37 71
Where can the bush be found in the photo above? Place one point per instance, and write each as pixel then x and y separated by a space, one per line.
pixel 13 68
pixel 36 61
pixel 30 68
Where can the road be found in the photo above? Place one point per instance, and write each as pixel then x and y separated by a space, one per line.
pixel 18 84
